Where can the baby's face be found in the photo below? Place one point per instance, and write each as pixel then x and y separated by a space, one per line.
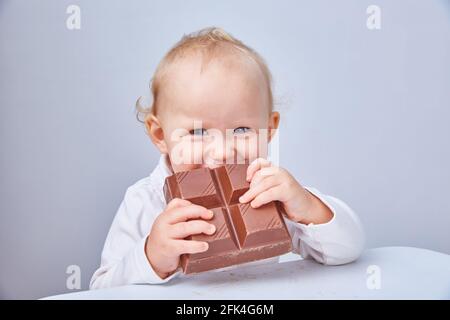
pixel 220 115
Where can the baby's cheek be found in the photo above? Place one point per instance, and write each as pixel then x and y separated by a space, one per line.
pixel 186 154
pixel 250 148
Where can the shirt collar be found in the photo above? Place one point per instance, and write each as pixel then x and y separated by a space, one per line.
pixel 161 171
pixel 159 175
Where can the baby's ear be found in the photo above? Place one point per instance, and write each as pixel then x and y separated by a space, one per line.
pixel 274 120
pixel 155 132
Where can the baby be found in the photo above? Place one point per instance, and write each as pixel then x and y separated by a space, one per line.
pixel 213 104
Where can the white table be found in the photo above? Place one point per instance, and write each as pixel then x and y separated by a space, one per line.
pixel 404 273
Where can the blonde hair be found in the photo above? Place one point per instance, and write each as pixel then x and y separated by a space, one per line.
pixel 212 43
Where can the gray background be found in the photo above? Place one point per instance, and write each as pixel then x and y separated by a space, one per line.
pixel 365 117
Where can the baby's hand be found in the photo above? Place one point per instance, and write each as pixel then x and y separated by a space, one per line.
pixel 166 241
pixel 269 183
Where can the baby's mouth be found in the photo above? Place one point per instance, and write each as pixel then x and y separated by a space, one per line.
pixel 212 164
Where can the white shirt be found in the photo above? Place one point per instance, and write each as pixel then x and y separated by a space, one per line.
pixel 123 261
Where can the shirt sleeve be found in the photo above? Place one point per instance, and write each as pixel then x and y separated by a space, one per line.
pixel 339 241
pixel 123 258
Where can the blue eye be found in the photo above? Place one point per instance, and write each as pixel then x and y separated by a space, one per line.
pixel 242 130
pixel 198 132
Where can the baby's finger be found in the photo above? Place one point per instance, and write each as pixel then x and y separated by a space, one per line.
pixel 255 166
pixel 190 246
pixel 255 190
pixel 182 230
pixel 177 203
pixel 192 211
pixel 267 196
pixel 262 174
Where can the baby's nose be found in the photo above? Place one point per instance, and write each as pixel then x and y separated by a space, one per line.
pixel 220 154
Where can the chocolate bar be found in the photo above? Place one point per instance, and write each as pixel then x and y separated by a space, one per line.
pixel 243 234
